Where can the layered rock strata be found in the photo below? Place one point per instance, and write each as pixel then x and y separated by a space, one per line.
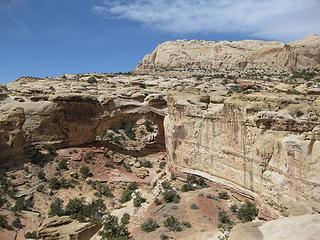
pixel 265 144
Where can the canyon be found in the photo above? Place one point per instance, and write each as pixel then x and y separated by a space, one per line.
pixel 244 116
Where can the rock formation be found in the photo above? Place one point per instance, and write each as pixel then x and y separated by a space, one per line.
pixel 204 57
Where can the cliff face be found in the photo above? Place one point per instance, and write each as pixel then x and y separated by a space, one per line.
pixel 202 57
pixel 264 144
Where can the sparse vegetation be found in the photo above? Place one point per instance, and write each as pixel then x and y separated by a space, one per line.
pixel 146 163
pixel 224 195
pixel 173 224
pixel 103 189
pixel 85 171
pixel 31 235
pixel 41 175
pixel 112 230
pixel 22 204
pixel 126 195
pixel 247 212
pixel 17 223
pixel 3 222
pixel 138 199
pixel 225 222
pixel 62 165
pixel 56 208
pixel 171 195
pixel 150 225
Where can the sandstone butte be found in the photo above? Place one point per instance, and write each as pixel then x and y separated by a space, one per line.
pixel 243 115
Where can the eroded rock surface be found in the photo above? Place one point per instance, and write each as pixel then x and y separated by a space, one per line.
pixel 201 57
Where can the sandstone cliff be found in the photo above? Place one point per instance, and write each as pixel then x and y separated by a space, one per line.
pixel 265 144
pixel 184 57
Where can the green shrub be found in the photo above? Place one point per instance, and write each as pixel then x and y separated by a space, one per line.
pixel 138 199
pixel 3 200
pixel 125 220
pixel 171 195
pixel 85 171
pixel 199 181
pixel 128 129
pixel 187 187
pixel 56 208
pixel 41 175
pixel 149 225
pixel 62 165
pixel 247 212
pixel 22 204
pixel 3 222
pixel 112 230
pixel 126 195
pixel 166 185
pixel 225 221
pixel 54 183
pixel 224 195
pixel 234 208
pixel 162 164
pixel 31 235
pixel 17 223
pixel 104 190
pixel 173 224
pixel 148 125
pixel 74 208
pixel 146 163
pixel 4 183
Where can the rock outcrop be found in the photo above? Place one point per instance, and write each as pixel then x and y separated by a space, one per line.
pixel 293 228
pixel 184 57
pixel 266 144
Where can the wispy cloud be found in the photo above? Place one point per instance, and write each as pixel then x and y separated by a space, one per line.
pixel 279 19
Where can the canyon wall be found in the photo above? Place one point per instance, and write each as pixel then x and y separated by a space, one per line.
pixel 264 144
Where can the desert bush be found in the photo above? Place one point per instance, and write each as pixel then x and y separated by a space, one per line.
pixel 148 125
pixel 3 222
pixel 104 190
pixel 3 200
pixel 138 199
pixel 162 164
pixel 22 204
pixel 125 220
pixel 149 225
pixel 146 163
pixel 62 165
pixel 112 230
pixel 234 208
pixel 187 187
pixel 225 222
pixel 126 195
pixel 157 201
pixel 85 171
pixel 166 185
pixel 224 195
pixel 56 208
pixel 17 223
pixel 31 235
pixel 247 212
pixel 128 129
pixel 173 224
pixel 171 195
pixel 41 175
pixel 54 183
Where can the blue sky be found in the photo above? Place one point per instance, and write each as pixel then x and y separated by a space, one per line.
pixel 49 38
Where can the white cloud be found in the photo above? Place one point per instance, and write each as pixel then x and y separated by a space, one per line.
pixel 280 19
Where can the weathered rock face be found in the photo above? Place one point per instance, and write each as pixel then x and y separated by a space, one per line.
pixel 200 57
pixel 265 144
pixel 80 109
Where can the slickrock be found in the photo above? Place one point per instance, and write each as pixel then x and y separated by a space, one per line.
pixel 305 227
